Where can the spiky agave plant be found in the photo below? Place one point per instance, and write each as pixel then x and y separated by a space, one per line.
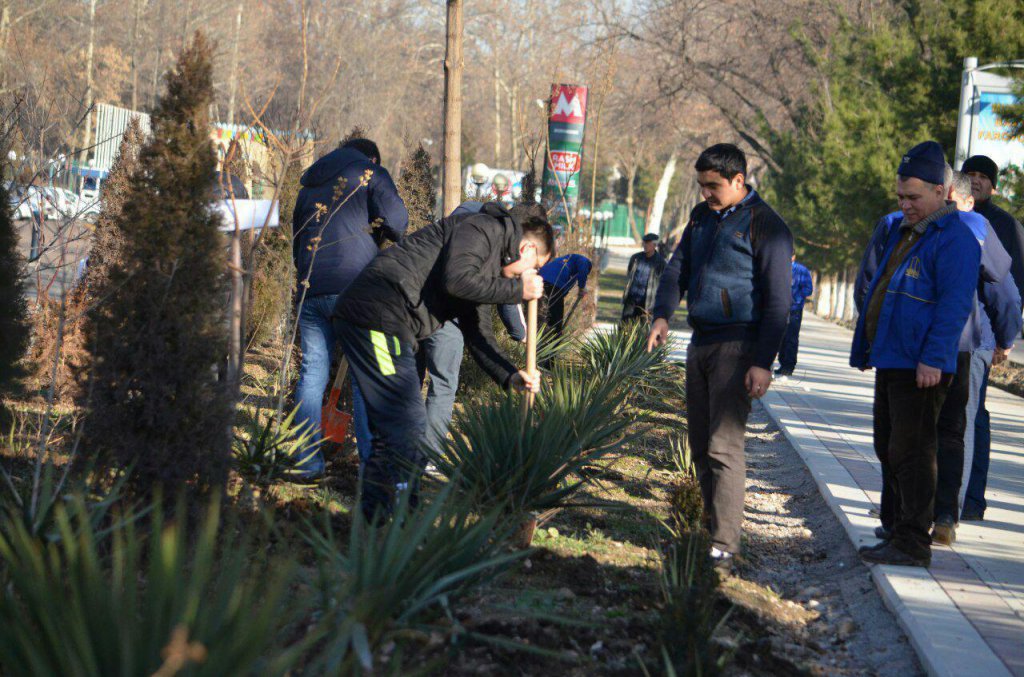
pixel 270 451
pixel 401 580
pixel 125 604
pixel 536 462
pixel 690 615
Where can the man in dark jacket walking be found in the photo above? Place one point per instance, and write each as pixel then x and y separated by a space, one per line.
pixel 454 269
pixel 343 194
pixel 733 264
pixel 642 276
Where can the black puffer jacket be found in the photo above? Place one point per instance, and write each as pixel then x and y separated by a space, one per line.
pixel 450 270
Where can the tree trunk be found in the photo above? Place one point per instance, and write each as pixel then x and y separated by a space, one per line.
pixel 630 180
pixel 236 325
pixel 497 117
pixel 452 166
pixel 233 76
pixel 89 51
pixel 5 31
pixel 840 313
pixel 513 158
pixel 824 296
pixel 851 307
pixel 661 195
pixel 134 56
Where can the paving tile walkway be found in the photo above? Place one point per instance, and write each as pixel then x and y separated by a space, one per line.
pixel 965 614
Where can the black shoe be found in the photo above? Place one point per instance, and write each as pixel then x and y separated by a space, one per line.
pixel 944 530
pixel 890 554
pixel 864 548
pixel 883 533
pixel 783 372
pixel 972 516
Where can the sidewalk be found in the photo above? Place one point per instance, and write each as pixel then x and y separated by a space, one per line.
pixel 964 615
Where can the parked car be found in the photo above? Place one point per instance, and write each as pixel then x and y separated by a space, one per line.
pixel 40 204
pixel 17 200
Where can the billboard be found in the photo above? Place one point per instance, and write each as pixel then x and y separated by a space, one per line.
pixel 980 129
pixel 567 118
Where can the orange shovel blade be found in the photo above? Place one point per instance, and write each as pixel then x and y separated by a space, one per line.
pixel 335 423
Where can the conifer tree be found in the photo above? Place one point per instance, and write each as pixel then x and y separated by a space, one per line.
pixel 417 190
pixel 13 310
pixel 157 404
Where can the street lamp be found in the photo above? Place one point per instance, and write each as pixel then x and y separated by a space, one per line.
pixel 478 174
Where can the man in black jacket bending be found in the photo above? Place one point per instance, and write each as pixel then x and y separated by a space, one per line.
pixel 454 269
pixel 733 264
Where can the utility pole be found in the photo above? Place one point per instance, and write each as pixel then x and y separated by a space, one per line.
pixel 452 164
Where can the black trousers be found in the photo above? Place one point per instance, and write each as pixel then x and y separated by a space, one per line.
pixel 952 425
pixel 791 340
pixel 556 307
pixel 906 442
pixel 717 410
pixel 385 369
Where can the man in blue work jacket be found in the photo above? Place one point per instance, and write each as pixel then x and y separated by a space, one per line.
pixel 915 309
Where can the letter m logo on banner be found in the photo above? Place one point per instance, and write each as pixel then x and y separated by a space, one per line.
pixel 568 104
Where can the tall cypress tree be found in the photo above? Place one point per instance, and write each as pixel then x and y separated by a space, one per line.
pixel 13 311
pixel 162 330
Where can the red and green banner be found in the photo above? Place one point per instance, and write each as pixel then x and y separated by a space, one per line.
pixel 567 117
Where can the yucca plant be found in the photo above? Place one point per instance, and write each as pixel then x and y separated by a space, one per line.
pixel 124 604
pixel 31 501
pixel 536 462
pixel 269 451
pixel 690 615
pixel 646 379
pixel 400 580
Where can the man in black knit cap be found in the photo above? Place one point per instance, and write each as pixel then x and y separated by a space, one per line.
pixel 984 175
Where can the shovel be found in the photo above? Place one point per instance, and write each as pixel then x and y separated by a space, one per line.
pixel 335 422
pixel 524 537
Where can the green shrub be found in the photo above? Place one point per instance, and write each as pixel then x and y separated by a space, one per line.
pixel 401 580
pixel 97 604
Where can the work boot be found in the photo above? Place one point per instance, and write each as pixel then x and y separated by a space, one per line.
pixel 890 554
pixel 883 533
pixel 944 530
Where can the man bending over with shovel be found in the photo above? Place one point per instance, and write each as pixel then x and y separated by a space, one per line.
pixel 454 269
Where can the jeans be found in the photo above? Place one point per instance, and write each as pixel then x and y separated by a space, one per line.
pixel 385 369
pixel 951 426
pixel 718 407
pixel 440 355
pixel 906 440
pixel 791 340
pixel 978 440
pixel 317 341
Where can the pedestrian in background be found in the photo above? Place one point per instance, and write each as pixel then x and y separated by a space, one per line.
pixel 560 276
pixel 802 288
pixel 914 312
pixel 733 265
pixel 984 175
pixel 642 276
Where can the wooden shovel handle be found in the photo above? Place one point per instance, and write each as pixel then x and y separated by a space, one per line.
pixel 531 343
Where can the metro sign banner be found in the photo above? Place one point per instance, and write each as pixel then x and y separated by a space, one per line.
pixel 568 104
pixel 567 116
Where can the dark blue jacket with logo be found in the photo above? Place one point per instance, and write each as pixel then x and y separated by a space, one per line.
pixel 995 317
pixel 735 271
pixel 927 301
pixel 335 207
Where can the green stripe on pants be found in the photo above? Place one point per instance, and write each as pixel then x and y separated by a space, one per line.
pixel 380 348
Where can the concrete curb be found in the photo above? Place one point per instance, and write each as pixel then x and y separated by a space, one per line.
pixel 945 641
